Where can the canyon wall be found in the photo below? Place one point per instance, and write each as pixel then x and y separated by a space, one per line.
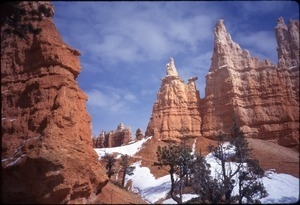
pixel 176 111
pixel 47 153
pixel 260 97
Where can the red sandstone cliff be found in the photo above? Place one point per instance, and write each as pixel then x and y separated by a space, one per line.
pixel 176 110
pixel 47 154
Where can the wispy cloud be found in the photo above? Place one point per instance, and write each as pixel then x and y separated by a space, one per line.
pixel 111 99
pixel 127 32
pixel 262 43
pixel 126 45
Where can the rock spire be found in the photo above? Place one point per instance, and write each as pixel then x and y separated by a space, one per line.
pixel 288 43
pixel 176 111
pixel 260 98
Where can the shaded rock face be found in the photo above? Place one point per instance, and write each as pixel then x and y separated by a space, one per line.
pixel 122 135
pixel 176 111
pixel 47 154
pixel 139 134
pixel 261 98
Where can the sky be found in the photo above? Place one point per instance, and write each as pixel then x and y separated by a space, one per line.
pixel 282 188
pixel 125 46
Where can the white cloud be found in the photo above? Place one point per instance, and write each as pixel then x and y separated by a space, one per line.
pixel 109 102
pixel 262 43
pixel 136 32
pixel 114 100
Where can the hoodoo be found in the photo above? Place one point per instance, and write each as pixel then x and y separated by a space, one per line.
pixel 176 112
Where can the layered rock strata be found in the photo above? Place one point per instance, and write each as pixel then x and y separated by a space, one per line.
pixel 176 112
pixel 122 135
pixel 257 95
pixel 47 153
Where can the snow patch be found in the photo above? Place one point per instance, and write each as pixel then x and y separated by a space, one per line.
pixel 145 184
pixel 129 149
pixel 185 197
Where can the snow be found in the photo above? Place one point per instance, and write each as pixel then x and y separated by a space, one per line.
pixel 185 197
pixel 17 160
pixel 194 146
pixel 129 149
pixel 281 188
pixel 10 119
pixel 223 66
pixel 149 188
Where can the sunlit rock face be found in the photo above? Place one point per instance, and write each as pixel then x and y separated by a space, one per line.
pixel 261 98
pixel 47 153
pixel 176 111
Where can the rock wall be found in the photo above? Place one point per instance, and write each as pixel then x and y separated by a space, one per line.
pixel 47 154
pixel 122 135
pixel 261 98
pixel 176 111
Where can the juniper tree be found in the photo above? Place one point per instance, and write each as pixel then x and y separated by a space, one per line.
pixel 203 184
pixel 110 164
pixel 125 168
pixel 178 158
pixel 237 168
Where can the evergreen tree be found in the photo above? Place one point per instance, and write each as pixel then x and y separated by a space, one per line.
pixel 178 158
pixel 110 164
pixel 237 168
pixel 203 184
pixel 126 169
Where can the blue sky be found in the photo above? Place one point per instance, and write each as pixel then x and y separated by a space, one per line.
pixel 125 47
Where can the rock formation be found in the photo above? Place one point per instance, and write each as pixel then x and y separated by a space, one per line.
pixel 176 110
pixel 47 154
pixel 260 97
pixel 255 94
pixel 139 134
pixel 115 138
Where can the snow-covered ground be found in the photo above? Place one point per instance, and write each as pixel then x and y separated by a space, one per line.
pixel 281 188
pixel 129 149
